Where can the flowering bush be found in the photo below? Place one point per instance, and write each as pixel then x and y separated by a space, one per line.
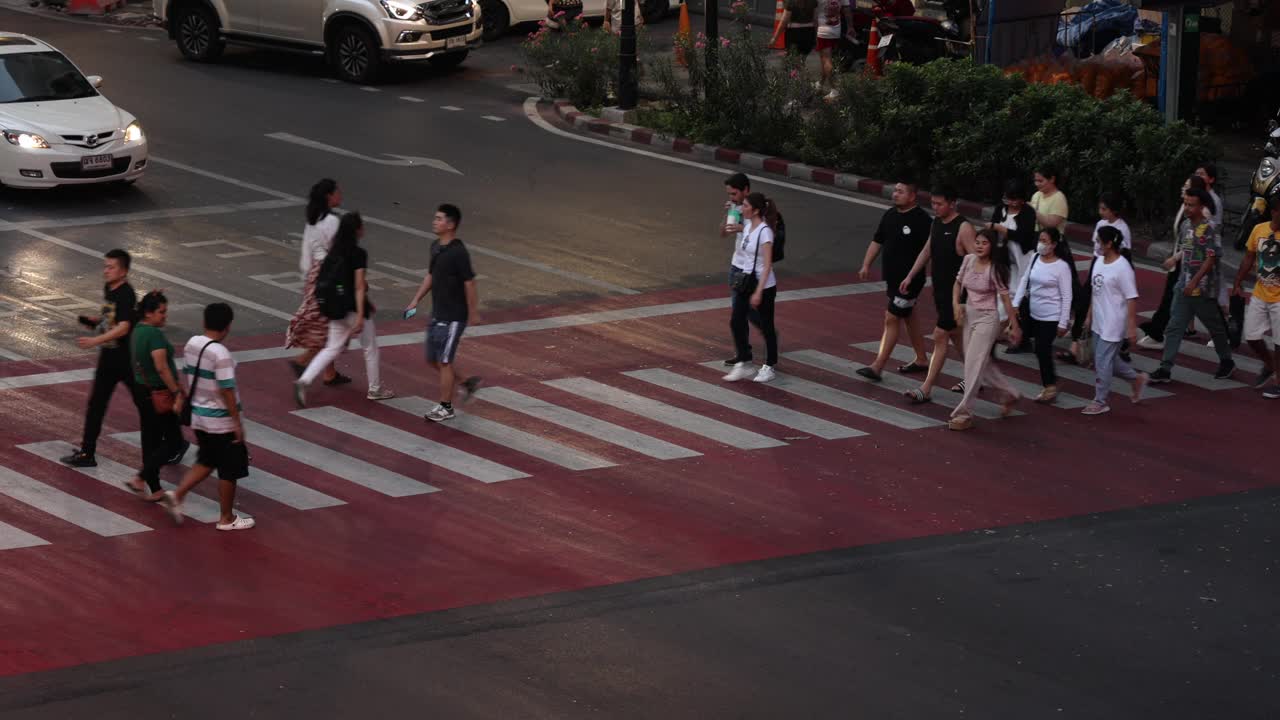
pixel 577 62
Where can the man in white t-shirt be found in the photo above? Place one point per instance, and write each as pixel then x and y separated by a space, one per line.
pixel 613 15
pixel 215 418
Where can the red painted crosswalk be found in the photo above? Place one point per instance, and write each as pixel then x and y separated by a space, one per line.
pixel 604 448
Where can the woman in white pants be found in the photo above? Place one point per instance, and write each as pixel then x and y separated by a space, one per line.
pixel 357 323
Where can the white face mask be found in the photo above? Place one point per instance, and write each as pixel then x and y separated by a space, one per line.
pixel 1044 249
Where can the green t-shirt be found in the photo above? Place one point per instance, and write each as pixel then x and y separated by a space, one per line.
pixel 146 339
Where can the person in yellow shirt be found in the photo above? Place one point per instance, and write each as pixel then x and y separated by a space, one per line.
pixel 1052 210
pixel 1263 313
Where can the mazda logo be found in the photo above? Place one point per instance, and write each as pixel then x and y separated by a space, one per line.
pixel 91 140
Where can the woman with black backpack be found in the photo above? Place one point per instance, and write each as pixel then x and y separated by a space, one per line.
pixel 342 294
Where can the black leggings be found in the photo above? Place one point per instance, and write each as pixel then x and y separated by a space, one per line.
pixel 1045 332
pixel 761 317
pixel 161 438
pixel 1155 327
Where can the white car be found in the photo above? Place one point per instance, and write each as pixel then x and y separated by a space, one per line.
pixel 501 15
pixel 58 129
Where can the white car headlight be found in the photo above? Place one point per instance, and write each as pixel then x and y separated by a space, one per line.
pixel 133 133
pixel 26 140
pixel 398 10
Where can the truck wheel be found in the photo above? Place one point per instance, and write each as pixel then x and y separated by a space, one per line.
pixel 196 30
pixel 355 54
pixel 496 19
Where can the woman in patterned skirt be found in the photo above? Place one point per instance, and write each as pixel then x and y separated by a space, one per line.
pixel 309 328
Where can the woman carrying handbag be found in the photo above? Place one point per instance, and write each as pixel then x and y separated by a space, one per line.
pixel 754 290
pixel 160 395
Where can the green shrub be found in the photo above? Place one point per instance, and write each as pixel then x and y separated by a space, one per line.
pixel 956 122
pixel 579 63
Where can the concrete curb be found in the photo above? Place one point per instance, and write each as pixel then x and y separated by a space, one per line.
pixel 1077 232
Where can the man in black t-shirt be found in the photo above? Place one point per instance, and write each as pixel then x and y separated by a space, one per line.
pixel 901 236
pixel 950 238
pixel 113 325
pixel 452 284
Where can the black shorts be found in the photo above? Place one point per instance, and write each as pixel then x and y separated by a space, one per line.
pixel 221 452
pixel 442 340
pixel 901 305
pixel 946 311
pixel 801 39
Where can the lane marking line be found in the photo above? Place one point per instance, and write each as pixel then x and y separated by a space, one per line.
pixel 451 108
pixel 494 118
pixel 412 99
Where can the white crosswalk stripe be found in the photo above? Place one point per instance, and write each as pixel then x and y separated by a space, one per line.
pixel 261 482
pixel 518 440
pixel 735 400
pixel 897 383
pixel 109 472
pixel 579 422
pixel 12 538
pixel 848 402
pixel 1195 347
pixel 666 414
pixel 416 446
pixel 955 368
pixel 334 462
pixel 64 506
pixel 1184 375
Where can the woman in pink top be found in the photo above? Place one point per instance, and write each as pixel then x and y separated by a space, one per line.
pixel 986 281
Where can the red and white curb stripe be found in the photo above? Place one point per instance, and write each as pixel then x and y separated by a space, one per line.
pixel 776 166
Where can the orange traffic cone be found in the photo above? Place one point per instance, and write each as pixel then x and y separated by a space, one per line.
pixel 683 35
pixel 873 49
pixel 781 44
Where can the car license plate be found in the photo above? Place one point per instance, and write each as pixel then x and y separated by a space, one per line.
pixel 96 162
pixel 455 42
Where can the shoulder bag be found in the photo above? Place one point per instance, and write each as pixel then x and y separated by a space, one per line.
pixel 185 418
pixel 742 282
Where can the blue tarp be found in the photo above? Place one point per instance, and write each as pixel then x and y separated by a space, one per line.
pixel 1095 25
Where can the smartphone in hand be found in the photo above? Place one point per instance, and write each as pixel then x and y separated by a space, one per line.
pixel 410 313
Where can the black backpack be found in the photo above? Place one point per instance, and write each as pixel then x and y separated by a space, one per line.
pixel 334 295
pixel 779 239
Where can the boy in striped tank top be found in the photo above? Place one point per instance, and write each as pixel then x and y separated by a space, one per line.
pixel 215 418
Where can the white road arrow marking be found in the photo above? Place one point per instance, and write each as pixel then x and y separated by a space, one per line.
pixel 399 161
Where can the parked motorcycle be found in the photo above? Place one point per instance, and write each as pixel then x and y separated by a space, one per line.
pixel 1266 180
pixel 910 37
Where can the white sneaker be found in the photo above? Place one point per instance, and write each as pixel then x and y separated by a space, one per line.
pixel 1147 342
pixel 741 371
pixel 1210 343
pixel 765 375
pixel 242 522
pixel 380 393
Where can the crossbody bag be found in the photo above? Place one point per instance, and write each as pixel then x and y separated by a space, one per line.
pixel 185 418
pixel 741 281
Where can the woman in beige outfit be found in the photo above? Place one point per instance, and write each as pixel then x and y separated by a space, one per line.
pixel 985 279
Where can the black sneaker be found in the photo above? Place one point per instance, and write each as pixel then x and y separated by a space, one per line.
pixel 181 453
pixel 80 459
pixel 469 387
pixel 1226 369
pixel 1160 376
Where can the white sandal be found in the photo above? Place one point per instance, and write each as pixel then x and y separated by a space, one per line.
pixel 240 523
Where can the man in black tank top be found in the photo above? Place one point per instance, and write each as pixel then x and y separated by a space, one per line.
pixel 950 239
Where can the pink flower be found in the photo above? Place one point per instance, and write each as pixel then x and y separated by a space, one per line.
pixel 699 45
pixel 724 42
pixel 795 74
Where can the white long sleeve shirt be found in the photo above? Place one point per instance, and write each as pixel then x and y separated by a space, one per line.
pixel 1049 287
pixel 316 241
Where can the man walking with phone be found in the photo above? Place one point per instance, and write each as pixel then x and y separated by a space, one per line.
pixel 114 326
pixel 454 298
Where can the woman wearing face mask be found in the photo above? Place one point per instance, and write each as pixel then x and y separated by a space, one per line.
pixel 984 276
pixel 1048 288
pixel 1114 318
pixel 1015 220
pixel 754 289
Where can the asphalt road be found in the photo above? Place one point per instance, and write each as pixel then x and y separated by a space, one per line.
pixel 605 222
pixel 1166 612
